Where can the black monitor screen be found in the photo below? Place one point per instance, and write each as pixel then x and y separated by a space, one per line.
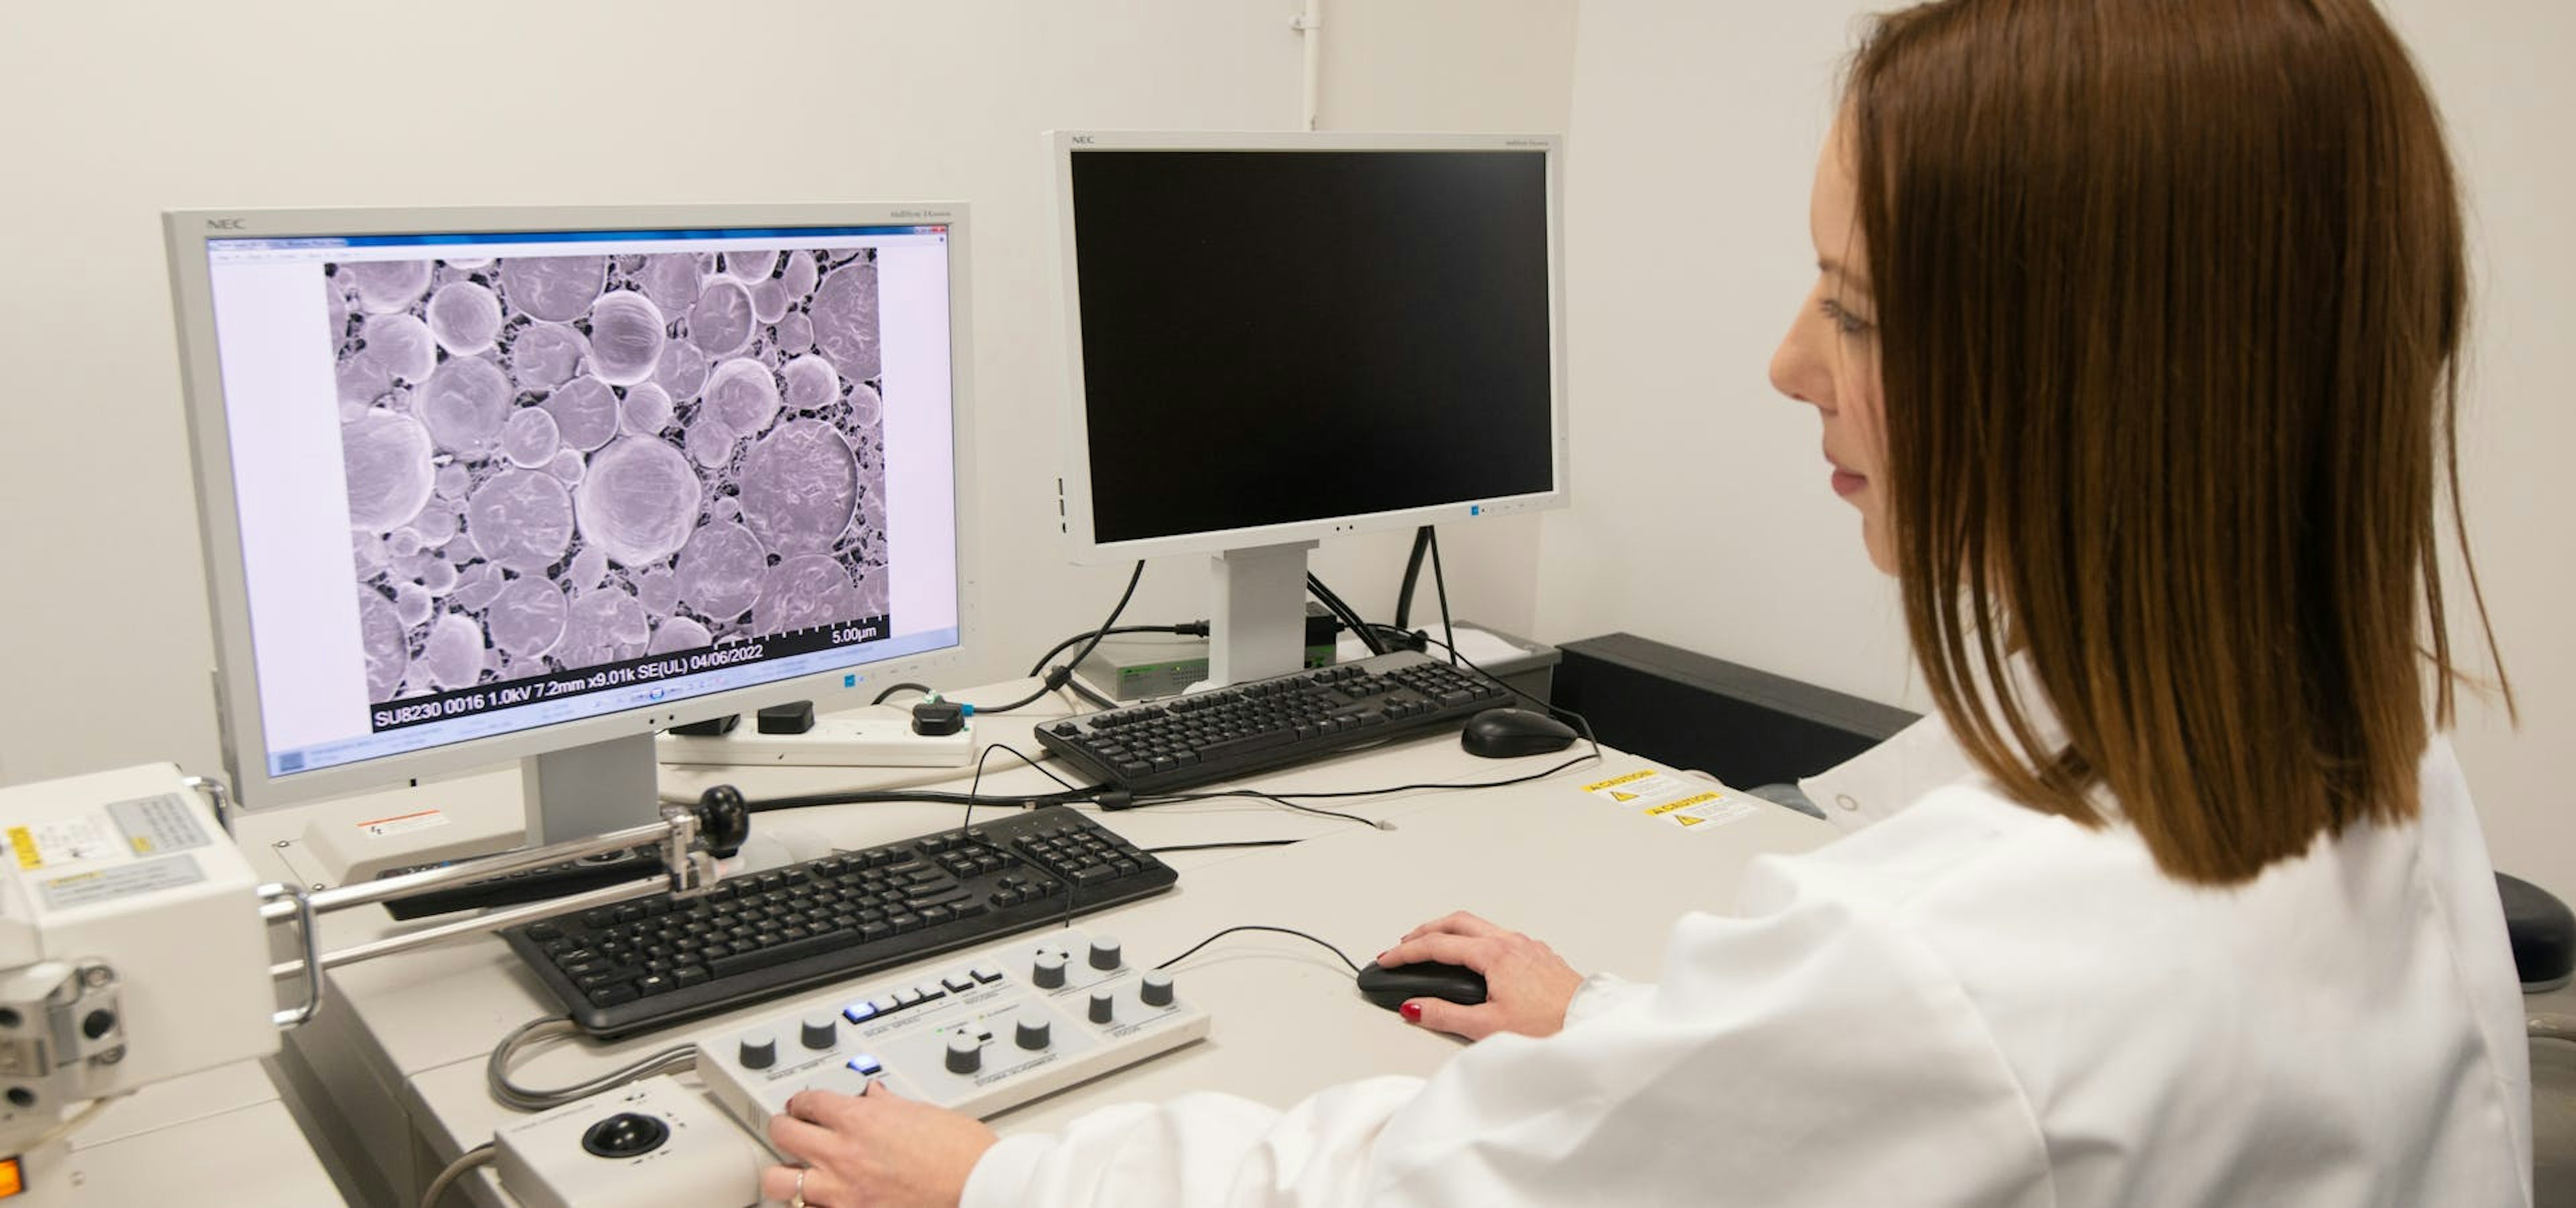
pixel 1272 337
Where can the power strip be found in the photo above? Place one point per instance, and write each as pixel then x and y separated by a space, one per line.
pixel 841 742
pixel 979 1034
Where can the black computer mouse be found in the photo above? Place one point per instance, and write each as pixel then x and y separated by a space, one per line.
pixel 1507 733
pixel 1390 988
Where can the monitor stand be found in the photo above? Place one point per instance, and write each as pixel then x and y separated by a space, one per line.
pixel 1258 627
pixel 583 791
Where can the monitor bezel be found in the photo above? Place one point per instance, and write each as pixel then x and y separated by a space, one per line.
pixel 1074 503
pixel 240 722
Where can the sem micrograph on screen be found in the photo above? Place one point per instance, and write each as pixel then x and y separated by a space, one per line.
pixel 560 461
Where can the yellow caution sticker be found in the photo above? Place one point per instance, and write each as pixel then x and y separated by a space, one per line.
pixel 24 843
pixel 1614 781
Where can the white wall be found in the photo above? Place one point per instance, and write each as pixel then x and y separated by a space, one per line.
pixel 116 114
pixel 1704 519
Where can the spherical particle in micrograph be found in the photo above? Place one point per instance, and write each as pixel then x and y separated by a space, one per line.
pixel 527 617
pixel 411 603
pixel 465 317
pixel 380 636
pixel 794 334
pixel 452 480
pixel 658 588
pixel 811 383
pixel 585 411
pixel 554 288
pixel 750 264
pixel 546 355
pixel 726 507
pixel 645 410
pixel 709 441
pixel 476 586
pixel 529 438
pixel 404 547
pixel 464 403
pixel 368 550
pixel 798 277
pixel 866 409
pixel 670 280
pixel 387 457
pixel 799 485
pixel 402 345
pixel 600 622
pixel 803 592
pixel 768 301
pixel 567 467
pixel 589 569
pixel 744 395
pixel 720 321
pixel 362 380
pixel 453 656
pixel 435 525
pixel 439 577
pixel 720 571
pixel 625 338
pixel 520 520
pixel 388 286
pixel 470 264
pixel 638 501
pixel 676 634
pixel 845 319
pixel 683 371
pixel 872 592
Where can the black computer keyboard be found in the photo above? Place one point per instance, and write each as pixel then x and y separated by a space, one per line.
pixel 1295 717
pixel 659 960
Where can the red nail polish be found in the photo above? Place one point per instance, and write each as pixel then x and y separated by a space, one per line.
pixel 1412 1012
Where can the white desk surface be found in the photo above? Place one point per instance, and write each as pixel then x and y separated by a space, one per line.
pixel 1600 882
pixel 217 1137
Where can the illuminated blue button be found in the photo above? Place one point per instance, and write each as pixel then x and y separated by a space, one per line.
pixel 859 1012
pixel 866 1065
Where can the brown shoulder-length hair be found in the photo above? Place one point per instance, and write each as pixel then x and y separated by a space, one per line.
pixel 2170 295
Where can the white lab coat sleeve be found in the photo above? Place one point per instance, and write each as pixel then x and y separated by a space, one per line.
pixel 1814 1053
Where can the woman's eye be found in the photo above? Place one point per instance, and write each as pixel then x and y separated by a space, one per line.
pixel 1843 320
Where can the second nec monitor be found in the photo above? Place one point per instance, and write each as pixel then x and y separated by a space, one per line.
pixel 1281 338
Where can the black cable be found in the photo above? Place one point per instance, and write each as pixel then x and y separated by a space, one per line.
pixel 1062 674
pixel 1355 968
pixel 1442 584
pixel 891 689
pixel 1412 574
pixel 1156 851
pixel 1256 794
pixel 1556 710
pixel 924 797
pixel 1185 629
pixel 1349 618
pixel 978 782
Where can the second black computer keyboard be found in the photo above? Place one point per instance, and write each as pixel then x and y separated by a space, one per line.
pixel 660 960
pixel 1267 723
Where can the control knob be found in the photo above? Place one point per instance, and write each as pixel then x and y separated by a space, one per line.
pixel 1035 1034
pixel 1104 1006
pixel 965 1055
pixel 1157 989
pixel 1104 953
pixel 759 1050
pixel 1049 973
pixel 821 1031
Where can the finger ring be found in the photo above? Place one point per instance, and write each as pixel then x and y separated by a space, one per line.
pixel 796 1199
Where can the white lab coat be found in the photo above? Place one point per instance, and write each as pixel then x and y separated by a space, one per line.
pixel 1962 1002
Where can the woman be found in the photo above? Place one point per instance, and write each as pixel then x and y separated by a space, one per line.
pixel 2133 343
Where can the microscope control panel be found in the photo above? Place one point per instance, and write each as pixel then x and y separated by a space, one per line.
pixel 978 1033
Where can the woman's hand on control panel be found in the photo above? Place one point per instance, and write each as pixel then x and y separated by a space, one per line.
pixel 1527 985
pixel 879 1149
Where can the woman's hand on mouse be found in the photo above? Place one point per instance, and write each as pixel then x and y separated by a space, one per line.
pixel 1527 985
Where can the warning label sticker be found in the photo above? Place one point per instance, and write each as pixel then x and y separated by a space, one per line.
pixel 401 823
pixel 1687 802
pixel 1702 809
pixel 62 841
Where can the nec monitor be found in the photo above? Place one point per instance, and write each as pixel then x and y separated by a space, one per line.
pixel 491 484
pixel 1280 338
